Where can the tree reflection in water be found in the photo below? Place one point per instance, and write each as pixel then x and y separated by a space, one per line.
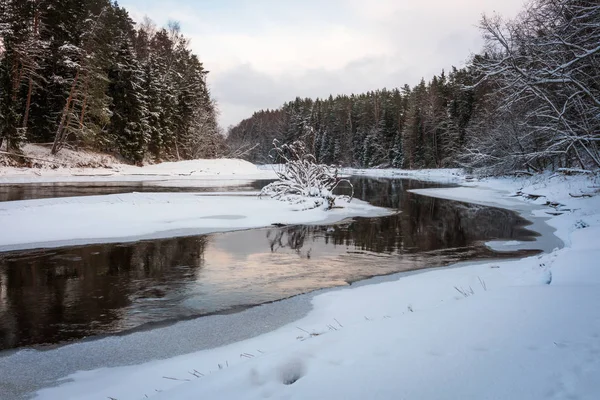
pixel 48 296
pixel 422 224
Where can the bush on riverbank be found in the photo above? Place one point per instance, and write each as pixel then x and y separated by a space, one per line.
pixel 302 180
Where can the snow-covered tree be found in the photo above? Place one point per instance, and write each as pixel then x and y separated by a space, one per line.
pixel 543 68
pixel 67 68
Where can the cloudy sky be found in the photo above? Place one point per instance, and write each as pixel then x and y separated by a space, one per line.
pixel 261 53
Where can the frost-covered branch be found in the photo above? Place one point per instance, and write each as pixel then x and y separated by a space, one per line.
pixel 544 68
pixel 302 180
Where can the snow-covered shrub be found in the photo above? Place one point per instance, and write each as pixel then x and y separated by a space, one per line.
pixel 301 180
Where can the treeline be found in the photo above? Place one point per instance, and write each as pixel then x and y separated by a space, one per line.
pixel 410 127
pixel 530 101
pixel 81 70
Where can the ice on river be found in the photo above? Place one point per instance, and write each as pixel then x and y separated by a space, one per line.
pixel 133 216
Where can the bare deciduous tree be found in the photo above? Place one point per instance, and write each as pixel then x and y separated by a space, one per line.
pixel 544 70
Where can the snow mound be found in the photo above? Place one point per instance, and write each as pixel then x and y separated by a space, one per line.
pixel 40 158
pixel 133 216
pixel 199 167
pixel 112 171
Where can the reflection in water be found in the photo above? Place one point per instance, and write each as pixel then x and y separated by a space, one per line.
pixel 12 192
pixel 52 295
pixel 57 295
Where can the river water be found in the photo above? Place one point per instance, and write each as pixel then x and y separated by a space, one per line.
pixel 55 296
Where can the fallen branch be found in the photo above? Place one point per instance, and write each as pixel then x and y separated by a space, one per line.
pixel 176 379
pixel 573 171
pixel 241 152
pixel 577 196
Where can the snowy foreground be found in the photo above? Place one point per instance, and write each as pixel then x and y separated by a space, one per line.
pixel 524 329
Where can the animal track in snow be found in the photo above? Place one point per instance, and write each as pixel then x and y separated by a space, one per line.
pixel 291 371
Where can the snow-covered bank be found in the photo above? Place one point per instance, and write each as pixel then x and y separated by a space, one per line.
pixel 448 175
pixel 39 157
pixel 133 216
pixel 109 169
pixel 525 329
pixel 430 175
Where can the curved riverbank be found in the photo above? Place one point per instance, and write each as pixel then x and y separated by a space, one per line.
pixel 249 324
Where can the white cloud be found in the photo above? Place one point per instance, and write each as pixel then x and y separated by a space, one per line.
pixel 264 52
pixel 283 51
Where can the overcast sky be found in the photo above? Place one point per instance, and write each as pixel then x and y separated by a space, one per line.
pixel 261 53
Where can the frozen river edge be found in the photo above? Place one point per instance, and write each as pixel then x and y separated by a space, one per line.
pixel 117 218
pixel 356 307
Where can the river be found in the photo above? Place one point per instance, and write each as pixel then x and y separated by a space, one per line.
pixel 51 297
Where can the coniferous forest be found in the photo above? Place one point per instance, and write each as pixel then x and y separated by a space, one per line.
pixel 529 101
pixel 82 71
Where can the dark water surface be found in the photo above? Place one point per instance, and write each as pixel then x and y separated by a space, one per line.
pixel 51 296
pixel 28 191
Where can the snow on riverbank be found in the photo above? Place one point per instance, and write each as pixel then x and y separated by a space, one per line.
pixel 40 158
pixel 524 329
pixel 430 175
pixel 133 216
pixel 109 169
pixel 455 175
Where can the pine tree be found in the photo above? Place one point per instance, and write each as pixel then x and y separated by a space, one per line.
pixel 128 124
pixel 14 30
pixel 79 70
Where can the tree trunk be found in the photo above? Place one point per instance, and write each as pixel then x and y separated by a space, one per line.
pixel 16 78
pixel 82 112
pixel 85 97
pixel 65 130
pixel 58 139
pixel 177 150
pixel 30 89
pixel 28 104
